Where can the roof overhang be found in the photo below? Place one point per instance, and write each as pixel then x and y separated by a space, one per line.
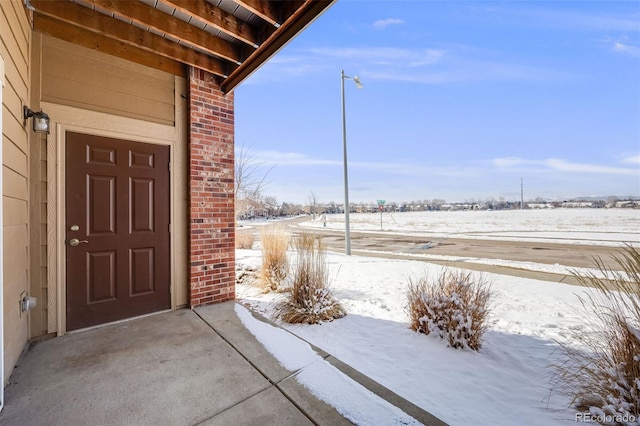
pixel 228 38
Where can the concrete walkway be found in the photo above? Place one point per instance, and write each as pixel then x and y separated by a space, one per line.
pixel 183 367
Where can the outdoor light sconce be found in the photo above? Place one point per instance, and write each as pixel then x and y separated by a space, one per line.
pixel 40 120
pixel 28 303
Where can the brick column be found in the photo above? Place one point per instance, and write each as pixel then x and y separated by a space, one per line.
pixel 211 199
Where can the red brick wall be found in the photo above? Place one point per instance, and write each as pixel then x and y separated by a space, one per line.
pixel 211 211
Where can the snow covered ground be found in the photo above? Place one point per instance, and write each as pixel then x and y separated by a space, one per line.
pixel 507 382
pixel 586 226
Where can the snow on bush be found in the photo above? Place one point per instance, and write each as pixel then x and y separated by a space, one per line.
pixel 455 307
pixel 246 275
pixel 310 300
pixel 275 242
pixel 601 369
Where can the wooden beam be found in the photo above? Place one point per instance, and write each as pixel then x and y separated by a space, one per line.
pixel 76 35
pixel 217 18
pixel 265 9
pixel 304 16
pixel 151 17
pixel 80 16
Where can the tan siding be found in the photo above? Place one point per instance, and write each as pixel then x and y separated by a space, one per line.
pixel 14 48
pixel 14 211
pixel 14 157
pixel 15 283
pixel 38 204
pixel 12 129
pixel 15 185
pixel 75 76
pixel 24 25
pixel 15 45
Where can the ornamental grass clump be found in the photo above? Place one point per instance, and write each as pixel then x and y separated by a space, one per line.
pixel 600 371
pixel 455 307
pixel 244 240
pixel 275 242
pixel 310 301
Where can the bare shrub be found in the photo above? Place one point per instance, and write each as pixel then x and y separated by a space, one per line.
pixel 310 300
pixel 245 240
pixel 275 242
pixel 601 370
pixel 246 274
pixel 455 306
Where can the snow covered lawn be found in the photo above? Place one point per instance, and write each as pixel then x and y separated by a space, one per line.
pixel 586 226
pixel 507 382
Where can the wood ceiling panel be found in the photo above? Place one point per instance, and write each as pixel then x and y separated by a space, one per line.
pixel 80 16
pixel 230 39
pixel 217 18
pixel 82 37
pixel 267 10
pixel 181 30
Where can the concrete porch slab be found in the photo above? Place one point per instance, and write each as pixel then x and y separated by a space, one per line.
pixel 173 368
pixel 165 369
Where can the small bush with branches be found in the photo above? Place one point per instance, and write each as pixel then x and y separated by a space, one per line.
pixel 455 306
pixel 275 242
pixel 600 372
pixel 310 300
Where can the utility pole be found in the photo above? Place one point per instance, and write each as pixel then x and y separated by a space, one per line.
pixel 521 193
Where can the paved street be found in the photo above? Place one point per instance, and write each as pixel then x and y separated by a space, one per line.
pixel 467 250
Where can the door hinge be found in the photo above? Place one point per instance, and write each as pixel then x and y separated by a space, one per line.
pixel 169 165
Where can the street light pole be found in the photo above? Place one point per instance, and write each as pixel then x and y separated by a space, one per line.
pixel 347 230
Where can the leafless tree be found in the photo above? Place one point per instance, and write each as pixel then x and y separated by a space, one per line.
pixel 249 181
pixel 313 202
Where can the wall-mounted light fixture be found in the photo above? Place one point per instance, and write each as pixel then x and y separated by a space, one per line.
pixel 28 303
pixel 40 120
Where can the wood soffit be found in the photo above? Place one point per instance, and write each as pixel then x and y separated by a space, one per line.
pixel 228 38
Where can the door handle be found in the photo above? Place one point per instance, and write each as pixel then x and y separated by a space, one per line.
pixel 74 242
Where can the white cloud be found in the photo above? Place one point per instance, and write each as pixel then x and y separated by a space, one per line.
pixel 508 162
pixel 458 70
pixel 626 48
pixel 565 166
pixel 559 165
pixel 634 159
pixel 383 55
pixel 607 23
pixel 384 23
pixel 294 159
pixel 426 65
pixel 290 159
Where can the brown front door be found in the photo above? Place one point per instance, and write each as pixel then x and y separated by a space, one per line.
pixel 116 230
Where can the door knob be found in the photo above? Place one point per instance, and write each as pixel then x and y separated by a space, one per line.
pixel 74 242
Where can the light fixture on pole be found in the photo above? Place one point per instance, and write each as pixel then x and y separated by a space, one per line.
pixel 347 231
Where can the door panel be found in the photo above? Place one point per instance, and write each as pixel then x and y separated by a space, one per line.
pixel 142 205
pixel 101 214
pixel 101 276
pixel 116 195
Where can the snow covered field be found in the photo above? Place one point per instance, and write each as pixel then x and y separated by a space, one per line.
pixel 507 382
pixel 587 226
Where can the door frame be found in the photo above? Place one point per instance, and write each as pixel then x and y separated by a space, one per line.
pixel 66 118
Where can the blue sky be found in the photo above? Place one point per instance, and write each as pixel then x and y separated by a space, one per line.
pixel 460 101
